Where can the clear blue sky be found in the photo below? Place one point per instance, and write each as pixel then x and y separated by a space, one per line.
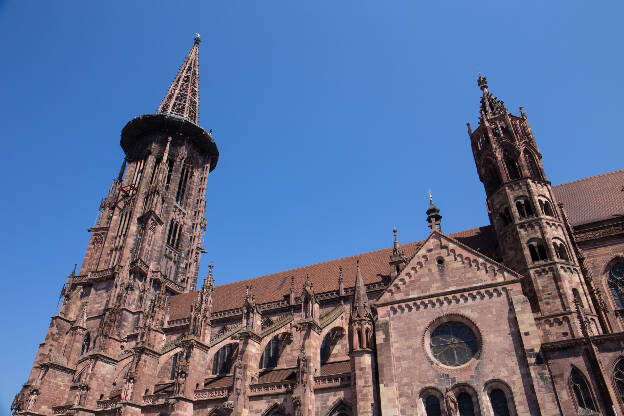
pixel 333 119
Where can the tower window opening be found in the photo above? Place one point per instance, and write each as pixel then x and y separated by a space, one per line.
pixel 525 209
pixel 531 165
pixel 618 378
pixel 512 167
pixel 560 250
pixel 491 179
pixel 537 251
pixel 546 208
pixel 184 175
pixel 170 165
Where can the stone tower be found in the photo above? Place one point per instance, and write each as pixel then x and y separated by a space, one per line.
pixel 145 246
pixel 532 233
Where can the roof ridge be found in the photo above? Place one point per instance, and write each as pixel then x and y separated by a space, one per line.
pixel 342 258
pixel 591 177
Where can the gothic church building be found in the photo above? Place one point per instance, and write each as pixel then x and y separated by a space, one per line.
pixel 520 317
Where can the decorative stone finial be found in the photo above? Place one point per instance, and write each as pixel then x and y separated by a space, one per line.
pixel 197 38
pixel 482 82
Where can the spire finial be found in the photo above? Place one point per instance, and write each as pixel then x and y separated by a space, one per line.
pixel 182 99
pixel 482 83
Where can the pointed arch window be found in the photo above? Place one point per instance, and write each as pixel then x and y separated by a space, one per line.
pixel 616 283
pixel 618 378
pixel 512 167
pixel 432 406
pixel 270 356
pixel 491 179
pixel 582 393
pixel 531 164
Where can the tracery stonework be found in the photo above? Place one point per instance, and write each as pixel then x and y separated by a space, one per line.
pixel 520 317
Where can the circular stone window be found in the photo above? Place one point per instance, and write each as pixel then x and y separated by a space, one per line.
pixel 453 343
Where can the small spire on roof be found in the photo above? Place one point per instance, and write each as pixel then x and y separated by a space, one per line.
pixel 340 282
pixel 433 216
pixel 360 308
pixel 209 280
pixel 490 105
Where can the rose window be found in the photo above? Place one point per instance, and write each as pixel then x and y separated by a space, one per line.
pixel 453 344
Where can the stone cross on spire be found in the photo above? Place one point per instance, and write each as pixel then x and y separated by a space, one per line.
pixel 182 99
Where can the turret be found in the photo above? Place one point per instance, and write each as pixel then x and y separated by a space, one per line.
pixel 529 225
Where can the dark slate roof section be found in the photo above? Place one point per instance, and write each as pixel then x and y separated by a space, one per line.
pixel 593 199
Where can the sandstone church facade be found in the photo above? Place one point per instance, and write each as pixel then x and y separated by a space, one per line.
pixel 520 317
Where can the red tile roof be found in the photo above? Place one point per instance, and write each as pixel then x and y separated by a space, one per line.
pixel 592 199
pixel 219 382
pixel 340 367
pixel 276 376
pixel 324 276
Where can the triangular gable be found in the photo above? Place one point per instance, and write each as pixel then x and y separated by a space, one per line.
pixel 443 264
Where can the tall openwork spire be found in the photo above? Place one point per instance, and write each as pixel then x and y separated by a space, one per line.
pixel 182 99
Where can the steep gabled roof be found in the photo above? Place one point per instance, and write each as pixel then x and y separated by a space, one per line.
pixel 592 199
pixel 324 276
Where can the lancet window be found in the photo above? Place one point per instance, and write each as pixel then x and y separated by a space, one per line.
pixel 173 235
pixel 505 216
pixel 492 180
pixel 512 167
pixel 170 165
pixel 582 393
pixel 616 284
pixel 184 176
pixel 531 165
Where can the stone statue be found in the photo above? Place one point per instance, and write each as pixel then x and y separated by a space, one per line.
pixel 450 403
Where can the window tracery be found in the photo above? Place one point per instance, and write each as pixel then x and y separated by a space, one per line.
pixel 453 343
pixel 616 283
pixel 618 378
pixel 582 393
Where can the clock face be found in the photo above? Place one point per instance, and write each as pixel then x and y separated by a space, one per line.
pixel 453 344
